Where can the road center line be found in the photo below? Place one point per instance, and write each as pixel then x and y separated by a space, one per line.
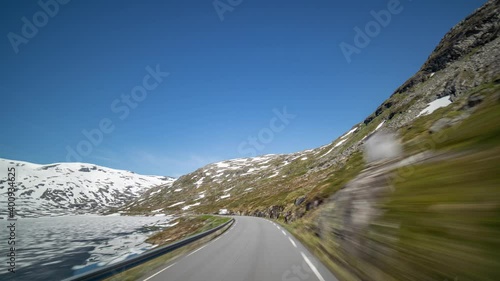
pixel 284 233
pixel 313 268
pixel 159 272
pixel 293 243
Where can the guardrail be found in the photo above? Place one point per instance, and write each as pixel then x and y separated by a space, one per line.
pixel 110 270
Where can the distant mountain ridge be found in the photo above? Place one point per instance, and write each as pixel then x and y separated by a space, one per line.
pixel 468 56
pixel 71 188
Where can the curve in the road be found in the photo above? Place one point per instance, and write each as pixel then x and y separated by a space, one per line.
pixel 253 249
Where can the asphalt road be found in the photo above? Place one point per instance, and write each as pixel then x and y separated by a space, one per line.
pixel 253 249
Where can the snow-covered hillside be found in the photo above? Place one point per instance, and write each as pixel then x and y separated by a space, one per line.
pixel 68 188
pixel 222 184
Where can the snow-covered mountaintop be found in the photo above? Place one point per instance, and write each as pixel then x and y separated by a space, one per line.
pixel 64 188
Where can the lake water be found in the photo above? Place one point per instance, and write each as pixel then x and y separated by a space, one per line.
pixel 54 248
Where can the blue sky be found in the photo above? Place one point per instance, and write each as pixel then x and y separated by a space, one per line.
pixel 226 77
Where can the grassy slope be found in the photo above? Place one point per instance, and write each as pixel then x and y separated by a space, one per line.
pixel 449 220
pixel 448 212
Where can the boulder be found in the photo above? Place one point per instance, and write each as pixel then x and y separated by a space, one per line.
pixel 474 100
pixel 300 200
pixel 274 212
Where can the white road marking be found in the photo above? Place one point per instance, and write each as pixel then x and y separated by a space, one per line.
pixel 293 243
pixel 197 250
pixel 284 233
pixel 186 256
pixel 159 272
pixel 313 268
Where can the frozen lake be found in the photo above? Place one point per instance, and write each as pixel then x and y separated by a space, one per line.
pixel 54 248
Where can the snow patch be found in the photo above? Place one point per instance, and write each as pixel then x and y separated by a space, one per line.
pixel 274 175
pixel 155 192
pixel 340 142
pixel 350 132
pixel 432 106
pixel 185 208
pixel 222 165
pixel 380 125
pixel 199 182
pixel 327 152
pixel 176 204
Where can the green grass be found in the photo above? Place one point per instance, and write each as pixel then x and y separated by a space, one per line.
pixel 449 220
pixel 212 222
pixel 480 130
pixel 339 177
pixel 442 221
pixel 448 215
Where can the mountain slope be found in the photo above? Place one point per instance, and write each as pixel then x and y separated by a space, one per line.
pixel 242 185
pixel 431 211
pixel 292 184
pixel 66 188
pixel 467 56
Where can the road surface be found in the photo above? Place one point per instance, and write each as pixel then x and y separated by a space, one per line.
pixel 253 249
